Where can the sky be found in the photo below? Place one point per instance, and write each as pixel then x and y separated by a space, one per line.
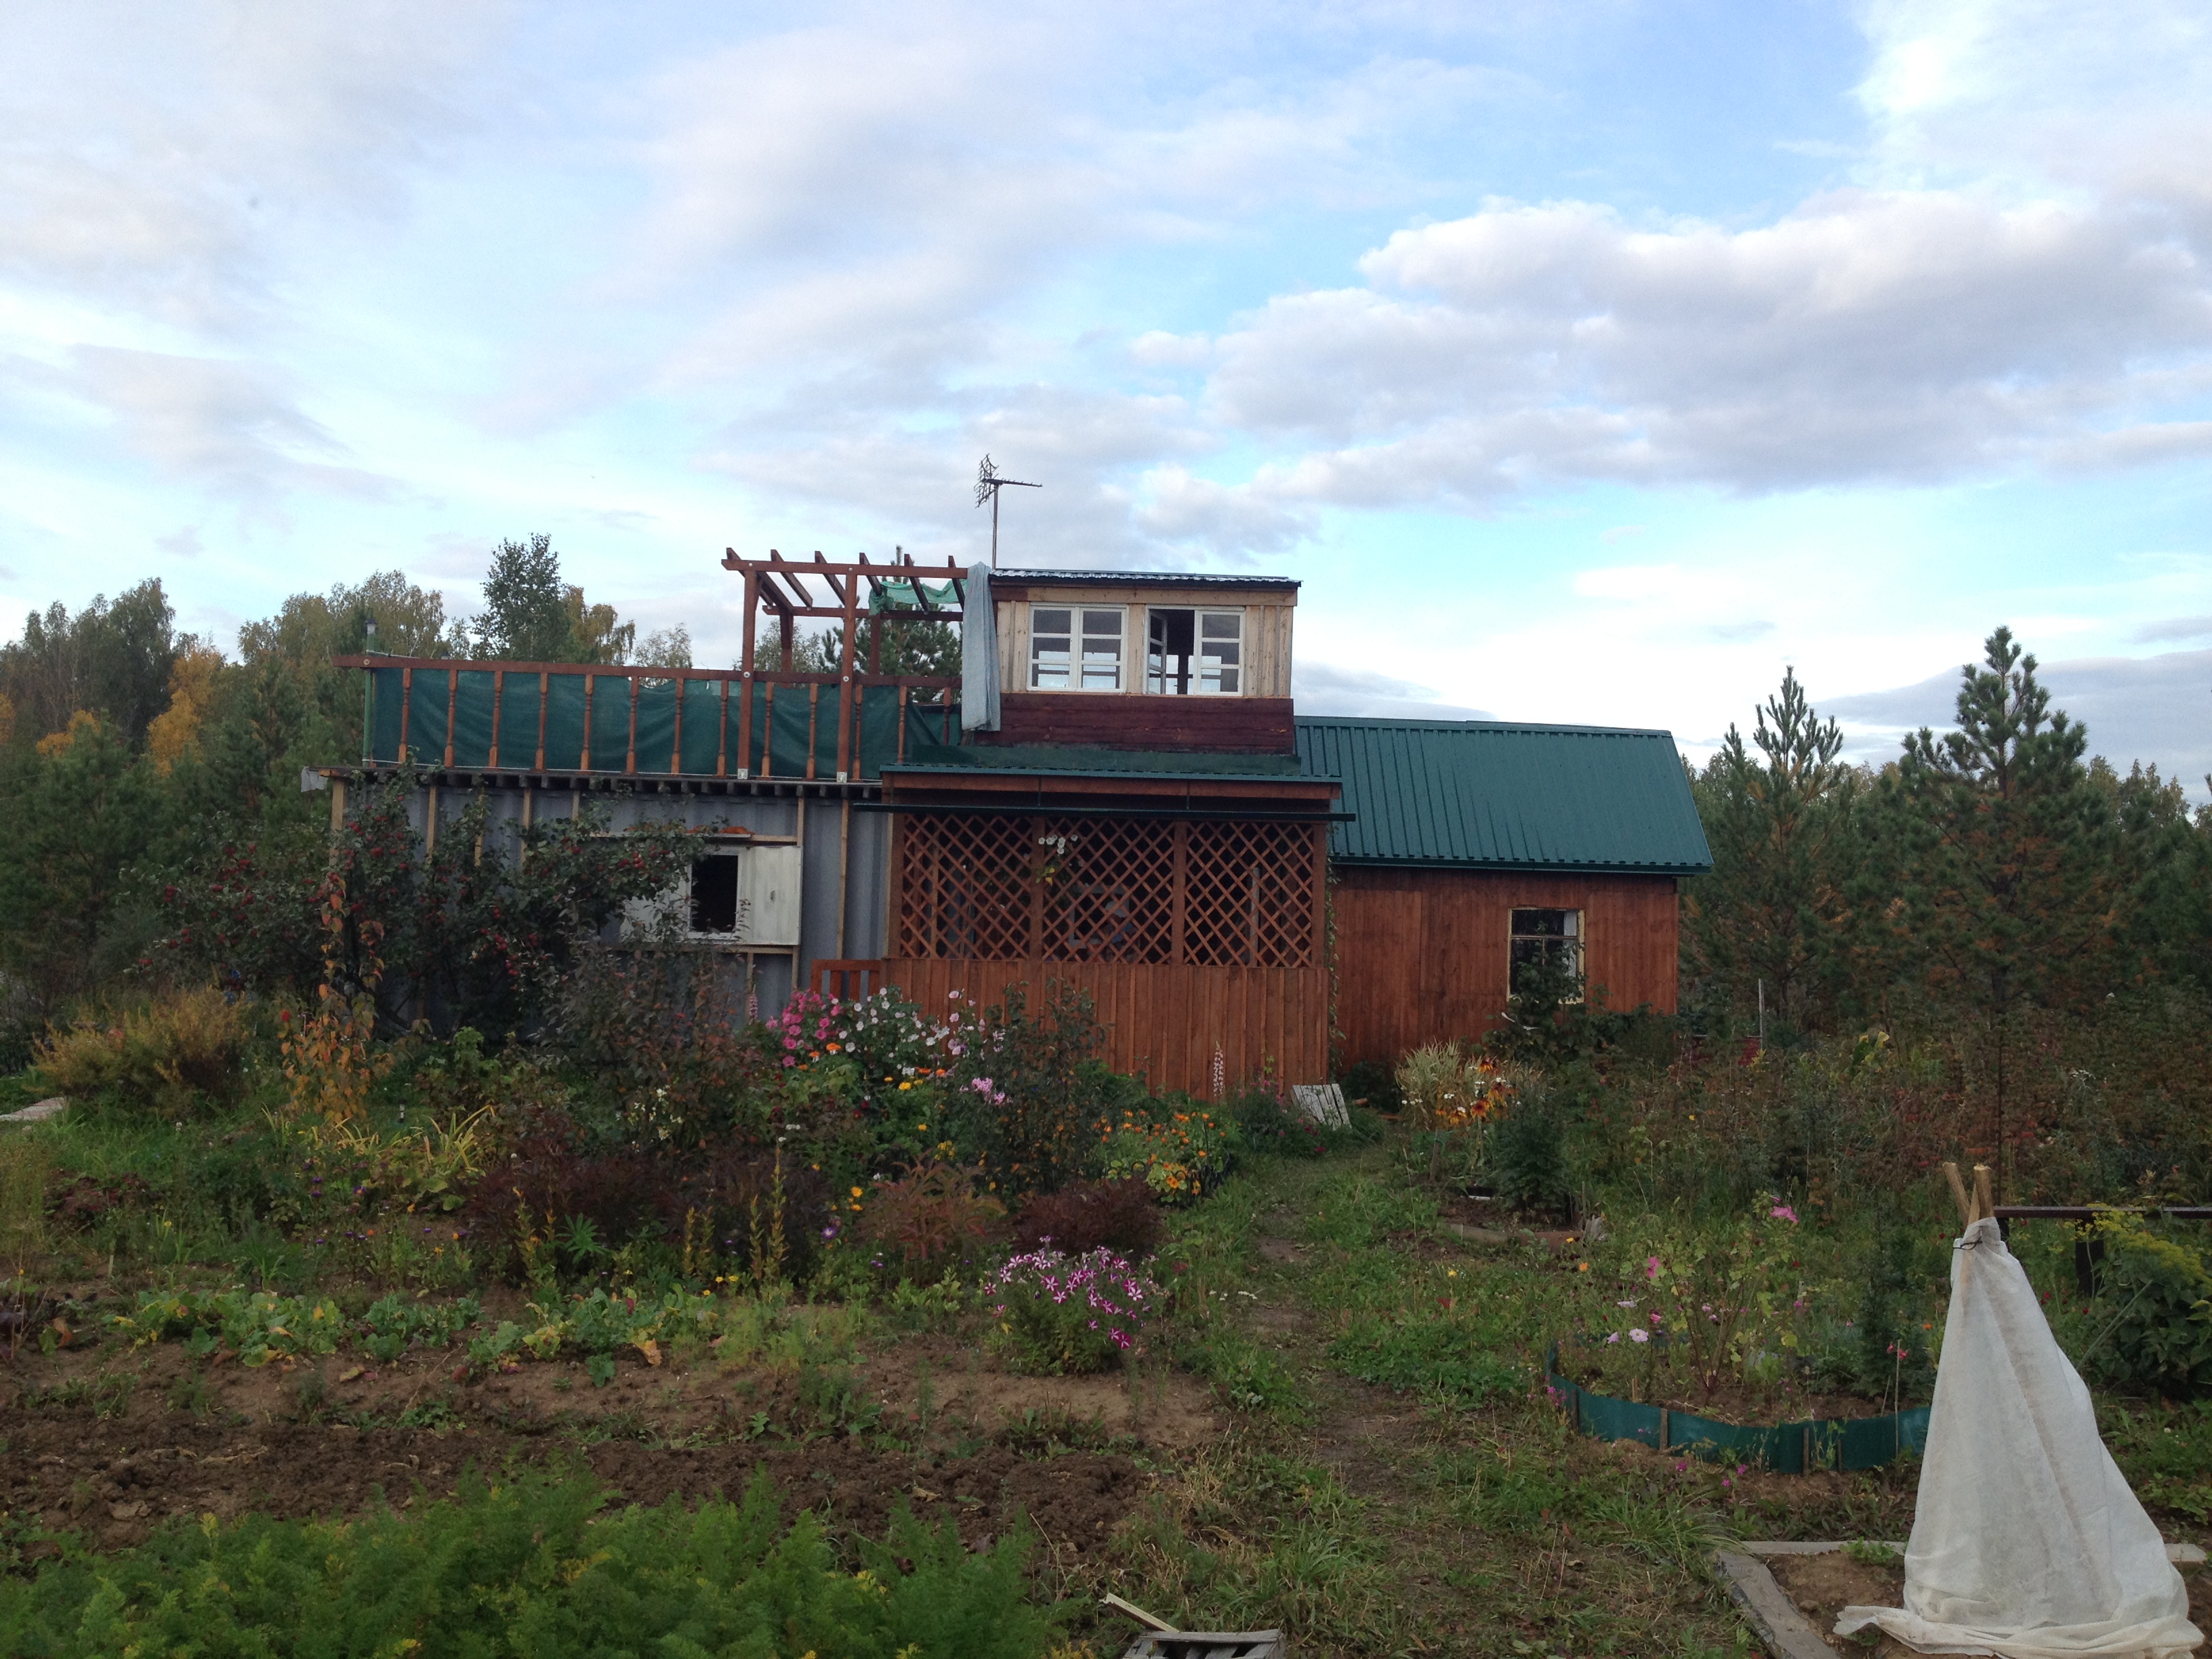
pixel 1588 363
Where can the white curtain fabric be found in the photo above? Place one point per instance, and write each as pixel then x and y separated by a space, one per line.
pixel 2026 1542
pixel 978 654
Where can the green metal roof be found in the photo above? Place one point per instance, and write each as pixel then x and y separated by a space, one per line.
pixel 1486 794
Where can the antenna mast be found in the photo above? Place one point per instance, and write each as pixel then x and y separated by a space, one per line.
pixel 989 481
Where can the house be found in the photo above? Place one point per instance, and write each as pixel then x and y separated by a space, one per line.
pixel 1116 793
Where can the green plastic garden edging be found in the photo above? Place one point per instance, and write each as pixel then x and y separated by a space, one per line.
pixel 1834 1442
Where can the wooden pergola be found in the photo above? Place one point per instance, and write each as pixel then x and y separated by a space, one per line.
pixel 896 591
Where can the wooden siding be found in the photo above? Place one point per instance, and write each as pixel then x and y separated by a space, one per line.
pixel 1421 954
pixel 1164 1019
pixel 1240 725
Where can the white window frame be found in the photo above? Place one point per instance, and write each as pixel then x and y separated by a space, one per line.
pixel 1203 682
pixel 1576 939
pixel 1097 671
pixel 1209 677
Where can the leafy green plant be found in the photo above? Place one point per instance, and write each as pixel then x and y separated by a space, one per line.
pixel 395 1323
pixel 533 1566
pixel 1058 1312
pixel 257 1325
pixel 1181 1152
pixel 2159 1333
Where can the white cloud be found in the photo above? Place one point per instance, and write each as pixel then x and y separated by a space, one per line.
pixel 1868 335
pixel 154 154
pixel 231 425
pixel 1325 687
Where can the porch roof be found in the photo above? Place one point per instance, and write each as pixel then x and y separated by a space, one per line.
pixel 1486 794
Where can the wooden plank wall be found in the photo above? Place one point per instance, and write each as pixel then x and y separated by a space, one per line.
pixel 1164 1019
pixel 1421 954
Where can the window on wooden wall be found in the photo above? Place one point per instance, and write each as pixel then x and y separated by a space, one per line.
pixel 1075 647
pixel 1548 952
pixel 1195 652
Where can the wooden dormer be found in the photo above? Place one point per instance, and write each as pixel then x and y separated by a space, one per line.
pixel 1158 661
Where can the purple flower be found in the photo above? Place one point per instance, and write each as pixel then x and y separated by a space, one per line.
pixel 1782 1213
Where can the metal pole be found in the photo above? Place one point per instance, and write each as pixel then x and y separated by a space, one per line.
pixel 1762 1016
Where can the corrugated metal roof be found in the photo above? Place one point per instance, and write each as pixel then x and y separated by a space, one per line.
pixel 1140 578
pixel 1487 793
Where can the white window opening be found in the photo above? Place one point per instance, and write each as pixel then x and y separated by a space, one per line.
pixel 1220 653
pixel 1547 953
pixel 734 895
pixel 1075 648
pixel 1195 652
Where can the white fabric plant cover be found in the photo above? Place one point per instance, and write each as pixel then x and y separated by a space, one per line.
pixel 2026 1542
pixel 978 654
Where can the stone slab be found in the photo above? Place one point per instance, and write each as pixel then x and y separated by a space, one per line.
pixel 37 1113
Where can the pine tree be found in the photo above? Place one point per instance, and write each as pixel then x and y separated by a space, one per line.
pixel 1772 822
pixel 2009 888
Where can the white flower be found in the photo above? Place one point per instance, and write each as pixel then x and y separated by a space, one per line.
pixel 1639 1334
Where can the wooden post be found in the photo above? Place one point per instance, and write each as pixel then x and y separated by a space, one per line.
pixel 498 696
pixel 1179 891
pixel 902 726
pixel 629 753
pixel 676 747
pixel 584 754
pixel 406 707
pixel 1034 950
pixel 1984 1206
pixel 430 822
pixel 767 730
pixel 844 856
pixel 453 700
pixel 1959 1194
pixel 745 667
pixel 337 805
pixel 845 733
pixel 813 721
pixel 544 696
pixel 1320 945
pixel 722 735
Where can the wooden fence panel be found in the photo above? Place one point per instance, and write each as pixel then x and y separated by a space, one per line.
pixel 1164 1019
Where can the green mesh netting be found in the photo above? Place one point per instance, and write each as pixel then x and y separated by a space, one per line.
pixel 556 715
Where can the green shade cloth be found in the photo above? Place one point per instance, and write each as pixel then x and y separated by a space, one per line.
pixel 1857 1443
pixel 525 704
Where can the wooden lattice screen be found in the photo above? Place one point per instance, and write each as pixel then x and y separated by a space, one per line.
pixel 1011 888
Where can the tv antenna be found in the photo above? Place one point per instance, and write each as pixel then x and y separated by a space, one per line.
pixel 989 481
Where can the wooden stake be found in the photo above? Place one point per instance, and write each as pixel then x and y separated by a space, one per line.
pixel 1985 1207
pixel 1149 1620
pixel 1958 1192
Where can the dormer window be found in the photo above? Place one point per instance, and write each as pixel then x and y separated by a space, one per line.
pixel 1197 653
pixel 1075 648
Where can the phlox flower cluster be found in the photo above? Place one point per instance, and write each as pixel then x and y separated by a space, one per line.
pixel 1098 1291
